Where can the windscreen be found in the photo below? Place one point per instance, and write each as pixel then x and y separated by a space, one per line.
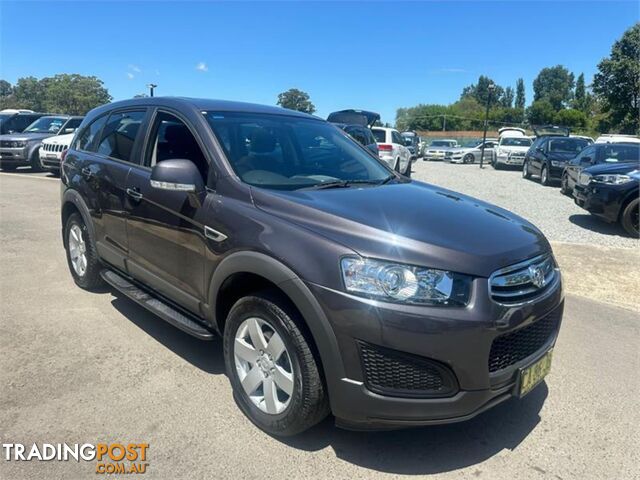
pixel 613 153
pixel 515 142
pixel 46 125
pixel 289 153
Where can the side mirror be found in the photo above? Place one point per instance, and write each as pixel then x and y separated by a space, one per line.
pixel 179 175
pixel 540 149
pixel 69 130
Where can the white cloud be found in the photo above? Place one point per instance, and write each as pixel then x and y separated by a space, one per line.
pixel 135 68
pixel 130 75
pixel 202 67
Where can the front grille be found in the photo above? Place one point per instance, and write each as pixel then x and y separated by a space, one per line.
pixel 510 348
pixel 394 373
pixel 523 281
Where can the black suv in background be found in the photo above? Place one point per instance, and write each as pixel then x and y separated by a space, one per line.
pixel 550 152
pixel 16 122
pixel 597 154
pixel 357 123
pixel 610 191
pixel 337 284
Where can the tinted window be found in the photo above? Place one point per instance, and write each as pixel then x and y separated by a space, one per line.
pixel 567 145
pixel 369 137
pixel 397 138
pixel 287 153
pixel 172 139
pixel 86 139
pixel 612 153
pixel 358 134
pixel 380 135
pixel 119 135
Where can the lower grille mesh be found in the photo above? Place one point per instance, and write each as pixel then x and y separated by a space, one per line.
pixel 512 347
pixel 398 374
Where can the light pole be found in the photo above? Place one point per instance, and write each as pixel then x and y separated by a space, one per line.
pixel 491 87
pixel 151 87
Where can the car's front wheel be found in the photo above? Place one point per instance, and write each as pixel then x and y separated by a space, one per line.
pixel 82 256
pixel 272 369
pixel 564 185
pixel 468 158
pixel 36 166
pixel 630 218
pixel 525 170
pixel 544 177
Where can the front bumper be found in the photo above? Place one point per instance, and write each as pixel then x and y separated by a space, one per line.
pixel 600 200
pixel 458 339
pixel 50 161
pixel 14 156
pixel 434 155
pixel 510 159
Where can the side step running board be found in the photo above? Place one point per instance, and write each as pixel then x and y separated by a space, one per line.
pixel 157 306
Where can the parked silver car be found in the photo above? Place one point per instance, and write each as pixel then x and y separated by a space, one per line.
pixel 472 154
pixel 438 148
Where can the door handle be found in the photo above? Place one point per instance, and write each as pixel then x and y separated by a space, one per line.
pixel 134 193
pixel 86 172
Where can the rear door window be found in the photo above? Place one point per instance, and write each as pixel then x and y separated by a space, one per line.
pixel 380 135
pixel 119 135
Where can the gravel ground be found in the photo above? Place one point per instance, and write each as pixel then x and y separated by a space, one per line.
pixel 556 215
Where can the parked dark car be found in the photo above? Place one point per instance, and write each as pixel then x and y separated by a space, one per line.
pixel 549 154
pixel 412 142
pixel 19 149
pixel 596 154
pixel 357 123
pixel 337 284
pixel 16 122
pixel 610 191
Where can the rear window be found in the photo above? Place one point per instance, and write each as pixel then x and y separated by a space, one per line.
pixel 567 145
pixel 379 135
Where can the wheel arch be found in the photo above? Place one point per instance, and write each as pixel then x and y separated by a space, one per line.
pixel 268 271
pixel 73 202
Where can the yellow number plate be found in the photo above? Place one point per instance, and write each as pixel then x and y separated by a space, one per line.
pixel 534 374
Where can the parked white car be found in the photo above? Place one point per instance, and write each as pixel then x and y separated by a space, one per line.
pixel 392 150
pixel 472 154
pixel 437 149
pixel 512 147
pixel 51 151
pixel 617 138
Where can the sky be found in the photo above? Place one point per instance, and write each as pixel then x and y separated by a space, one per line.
pixel 370 55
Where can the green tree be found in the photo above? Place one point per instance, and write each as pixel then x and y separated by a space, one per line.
pixel 480 91
pixel 570 117
pixel 580 95
pixel 295 99
pixel 6 88
pixel 617 83
pixel 555 85
pixel 7 97
pixel 507 98
pixel 520 100
pixel 541 112
pixel 74 94
pixel 29 92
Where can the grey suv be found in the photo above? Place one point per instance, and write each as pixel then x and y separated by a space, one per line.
pixel 337 284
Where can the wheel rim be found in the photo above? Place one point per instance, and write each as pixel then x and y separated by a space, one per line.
pixel 77 250
pixel 525 170
pixel 544 175
pixel 263 365
pixel 468 159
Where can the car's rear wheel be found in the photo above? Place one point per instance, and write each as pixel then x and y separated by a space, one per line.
pixel 630 217
pixel 468 158
pixel 525 170
pixel 564 185
pixel 82 256
pixel 274 374
pixel 544 176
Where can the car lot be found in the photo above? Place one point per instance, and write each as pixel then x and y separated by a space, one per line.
pixel 83 367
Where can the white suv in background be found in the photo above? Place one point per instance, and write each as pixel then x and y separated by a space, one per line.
pixel 513 145
pixel 51 151
pixel 392 150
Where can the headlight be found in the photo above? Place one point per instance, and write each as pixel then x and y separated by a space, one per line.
pixel 615 179
pixel 404 283
pixel 18 144
pixel 556 163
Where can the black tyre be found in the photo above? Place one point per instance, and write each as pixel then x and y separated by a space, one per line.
pixel 407 171
pixel 525 170
pixel 564 185
pixel 35 161
pixel 544 176
pixel 82 256
pixel 629 218
pixel 274 374
pixel 468 158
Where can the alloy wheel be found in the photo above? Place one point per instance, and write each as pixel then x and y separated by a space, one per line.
pixel 77 250
pixel 263 365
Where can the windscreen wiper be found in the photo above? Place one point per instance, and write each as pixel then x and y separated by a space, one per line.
pixel 346 183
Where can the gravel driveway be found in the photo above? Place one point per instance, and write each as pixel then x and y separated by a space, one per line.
pixel 555 214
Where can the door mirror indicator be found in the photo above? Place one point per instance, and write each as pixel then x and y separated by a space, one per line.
pixel 179 175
